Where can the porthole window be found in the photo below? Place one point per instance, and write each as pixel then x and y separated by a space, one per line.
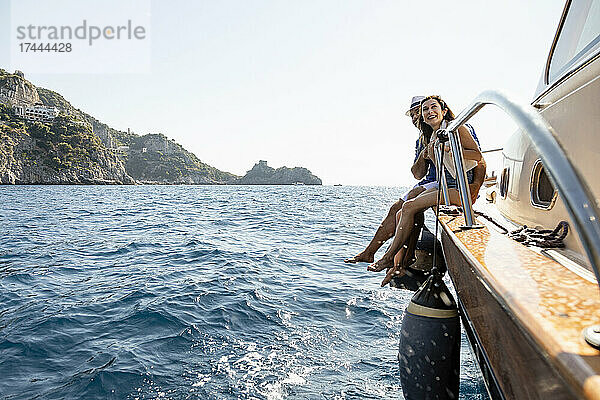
pixel 543 194
pixel 504 182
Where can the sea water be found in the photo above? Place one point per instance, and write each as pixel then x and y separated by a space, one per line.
pixel 198 292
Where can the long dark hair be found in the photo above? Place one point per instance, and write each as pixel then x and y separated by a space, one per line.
pixel 426 130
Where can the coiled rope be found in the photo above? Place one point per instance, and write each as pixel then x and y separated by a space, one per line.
pixel 545 238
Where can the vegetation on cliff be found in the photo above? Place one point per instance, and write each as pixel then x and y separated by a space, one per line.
pixel 154 157
pixel 63 151
pixel 12 80
pixel 176 165
pixel 103 131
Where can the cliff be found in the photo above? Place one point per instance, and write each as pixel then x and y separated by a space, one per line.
pixel 14 89
pixel 104 132
pixel 63 152
pixel 262 174
pixel 30 150
pixel 153 158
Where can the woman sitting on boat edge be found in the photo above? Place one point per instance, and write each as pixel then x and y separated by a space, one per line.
pixel 423 170
pixel 434 115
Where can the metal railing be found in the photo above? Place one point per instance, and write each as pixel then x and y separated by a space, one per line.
pixel 576 195
pixel 439 167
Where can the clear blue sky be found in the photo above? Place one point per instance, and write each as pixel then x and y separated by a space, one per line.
pixel 316 83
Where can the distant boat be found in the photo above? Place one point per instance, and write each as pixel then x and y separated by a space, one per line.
pixel 298 183
pixel 338 184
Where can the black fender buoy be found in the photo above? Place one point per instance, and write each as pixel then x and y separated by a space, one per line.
pixel 429 353
pixel 411 280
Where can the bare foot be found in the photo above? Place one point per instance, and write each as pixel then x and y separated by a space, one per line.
pixel 362 257
pixel 380 265
pixel 392 272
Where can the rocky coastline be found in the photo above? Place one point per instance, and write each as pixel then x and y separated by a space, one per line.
pixel 72 147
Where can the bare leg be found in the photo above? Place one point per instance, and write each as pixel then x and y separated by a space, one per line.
pixel 412 241
pixel 406 253
pixel 384 232
pixel 399 255
pixel 407 219
pixel 405 256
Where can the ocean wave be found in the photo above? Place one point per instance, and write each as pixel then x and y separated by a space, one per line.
pixel 196 292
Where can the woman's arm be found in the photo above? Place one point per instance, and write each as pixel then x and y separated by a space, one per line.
pixel 469 145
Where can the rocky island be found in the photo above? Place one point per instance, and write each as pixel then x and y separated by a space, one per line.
pixel 262 174
pixel 46 140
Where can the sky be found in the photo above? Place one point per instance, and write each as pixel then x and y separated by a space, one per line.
pixel 321 84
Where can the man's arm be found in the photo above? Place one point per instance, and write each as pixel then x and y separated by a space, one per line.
pixel 470 147
pixel 478 178
pixel 419 168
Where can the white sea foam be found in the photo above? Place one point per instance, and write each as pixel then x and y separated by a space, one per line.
pixel 294 379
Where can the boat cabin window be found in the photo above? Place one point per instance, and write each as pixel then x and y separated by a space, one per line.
pixel 543 194
pixel 578 38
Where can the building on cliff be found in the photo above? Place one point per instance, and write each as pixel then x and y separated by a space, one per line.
pixel 36 112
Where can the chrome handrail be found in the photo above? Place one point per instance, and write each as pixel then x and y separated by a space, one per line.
pixel 461 175
pixel 442 171
pixel 575 193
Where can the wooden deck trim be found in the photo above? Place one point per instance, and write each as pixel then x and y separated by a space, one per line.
pixel 561 342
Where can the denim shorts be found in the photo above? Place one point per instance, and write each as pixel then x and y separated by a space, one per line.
pixel 426 186
pixel 453 183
